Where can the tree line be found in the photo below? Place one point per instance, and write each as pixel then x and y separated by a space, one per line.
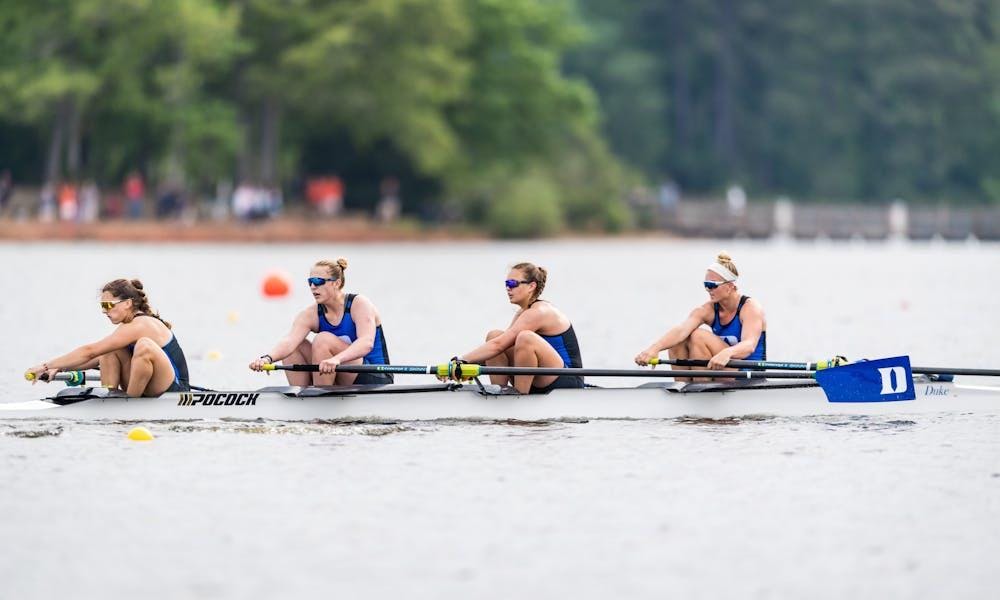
pixel 525 114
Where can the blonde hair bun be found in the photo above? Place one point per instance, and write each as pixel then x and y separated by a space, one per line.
pixel 727 261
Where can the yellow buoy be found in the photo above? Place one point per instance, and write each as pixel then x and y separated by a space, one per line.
pixel 233 317
pixel 213 355
pixel 140 434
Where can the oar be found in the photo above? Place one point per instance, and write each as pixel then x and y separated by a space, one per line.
pixel 882 380
pixel 819 366
pixel 756 364
pixel 70 377
pixel 955 371
pixel 73 378
pixel 398 369
pixel 469 371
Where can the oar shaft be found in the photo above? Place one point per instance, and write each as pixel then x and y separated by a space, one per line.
pixel 951 371
pixel 395 369
pixel 750 364
pixel 473 370
pixel 483 370
pixel 817 366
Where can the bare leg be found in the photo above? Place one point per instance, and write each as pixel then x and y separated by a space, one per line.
pixel 115 369
pixel 301 356
pixel 702 344
pixel 681 351
pixel 151 372
pixel 530 350
pixel 503 359
pixel 326 345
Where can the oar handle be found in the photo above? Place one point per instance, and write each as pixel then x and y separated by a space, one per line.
pixel 70 377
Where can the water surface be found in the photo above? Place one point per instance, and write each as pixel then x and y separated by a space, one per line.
pixel 761 508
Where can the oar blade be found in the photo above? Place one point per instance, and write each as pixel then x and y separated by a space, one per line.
pixel 882 380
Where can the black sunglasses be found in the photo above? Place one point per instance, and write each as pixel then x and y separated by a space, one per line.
pixel 513 283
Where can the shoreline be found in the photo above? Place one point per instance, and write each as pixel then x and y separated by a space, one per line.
pixel 281 230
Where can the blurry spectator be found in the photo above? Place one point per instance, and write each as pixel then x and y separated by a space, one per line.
pixel 68 202
pixel 135 194
pixel 169 201
pixel 326 194
pixel 223 195
pixel 47 203
pixel 114 206
pixel 275 201
pixel 90 202
pixel 388 207
pixel 736 199
pixel 254 203
pixel 6 190
pixel 243 201
pixel 669 196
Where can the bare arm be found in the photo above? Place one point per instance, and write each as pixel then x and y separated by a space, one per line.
pixel 528 320
pixel 88 355
pixel 301 327
pixel 93 364
pixel 674 335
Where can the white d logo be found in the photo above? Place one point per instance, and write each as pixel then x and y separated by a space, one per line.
pixel 901 384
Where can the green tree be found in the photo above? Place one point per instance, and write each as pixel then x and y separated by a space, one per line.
pixel 76 69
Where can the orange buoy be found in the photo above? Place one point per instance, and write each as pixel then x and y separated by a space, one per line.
pixel 275 285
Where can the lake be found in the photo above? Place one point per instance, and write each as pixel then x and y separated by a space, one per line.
pixel 823 507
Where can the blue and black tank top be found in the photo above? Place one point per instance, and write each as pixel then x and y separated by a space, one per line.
pixel 568 348
pixel 732 332
pixel 379 354
pixel 177 360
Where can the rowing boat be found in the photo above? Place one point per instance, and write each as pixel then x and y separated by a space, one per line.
pixel 454 401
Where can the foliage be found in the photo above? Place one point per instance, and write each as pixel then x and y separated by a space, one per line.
pixel 473 102
pixel 528 206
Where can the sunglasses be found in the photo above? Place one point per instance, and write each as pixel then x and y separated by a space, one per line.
pixel 711 285
pixel 513 283
pixel 107 305
pixel 318 281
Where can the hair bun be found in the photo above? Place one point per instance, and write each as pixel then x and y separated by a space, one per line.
pixel 342 263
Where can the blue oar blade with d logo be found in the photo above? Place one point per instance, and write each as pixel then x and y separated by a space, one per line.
pixel 882 380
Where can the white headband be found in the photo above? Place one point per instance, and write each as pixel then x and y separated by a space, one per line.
pixel 723 272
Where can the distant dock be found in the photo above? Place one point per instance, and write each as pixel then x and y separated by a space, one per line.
pixel 715 219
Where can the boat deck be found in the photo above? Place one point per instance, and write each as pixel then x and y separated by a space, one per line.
pixel 452 401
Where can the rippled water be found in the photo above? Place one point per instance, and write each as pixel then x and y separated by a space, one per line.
pixel 822 507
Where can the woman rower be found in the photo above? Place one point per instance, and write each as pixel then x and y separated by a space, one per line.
pixel 539 335
pixel 348 331
pixel 738 327
pixel 141 357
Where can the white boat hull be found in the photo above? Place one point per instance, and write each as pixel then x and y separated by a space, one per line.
pixel 469 402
